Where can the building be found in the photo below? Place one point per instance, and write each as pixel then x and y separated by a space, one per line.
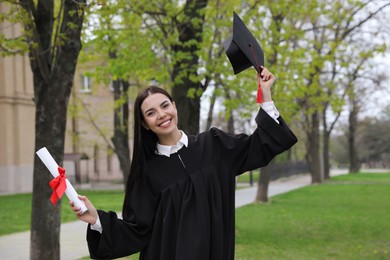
pixel 87 158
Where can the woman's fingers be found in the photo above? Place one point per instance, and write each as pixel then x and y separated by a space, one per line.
pixel 90 216
pixel 75 209
pixel 266 74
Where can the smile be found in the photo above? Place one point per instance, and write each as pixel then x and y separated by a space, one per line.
pixel 166 123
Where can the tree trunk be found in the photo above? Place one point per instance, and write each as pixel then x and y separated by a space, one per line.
pixel 354 165
pixel 50 132
pixel 262 185
pixel 325 156
pixel 313 148
pixel 188 108
pixel 121 126
pixel 53 68
pixel 325 142
pixel 184 74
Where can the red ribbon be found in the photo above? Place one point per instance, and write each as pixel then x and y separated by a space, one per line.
pixel 58 185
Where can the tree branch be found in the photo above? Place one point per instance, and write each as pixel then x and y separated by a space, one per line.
pixel 347 32
pixel 56 35
pixel 92 121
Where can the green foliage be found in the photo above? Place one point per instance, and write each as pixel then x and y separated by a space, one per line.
pixel 116 46
pixel 192 93
pixel 15 44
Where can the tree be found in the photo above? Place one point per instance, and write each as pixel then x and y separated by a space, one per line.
pixel 375 143
pixel 319 35
pixel 350 36
pixel 118 55
pixel 52 33
pixel 121 125
pixel 177 28
pixel 363 86
pixel 279 31
pixel 328 39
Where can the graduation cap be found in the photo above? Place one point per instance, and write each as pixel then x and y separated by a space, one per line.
pixel 244 51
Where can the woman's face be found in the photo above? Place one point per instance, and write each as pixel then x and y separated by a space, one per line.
pixel 159 114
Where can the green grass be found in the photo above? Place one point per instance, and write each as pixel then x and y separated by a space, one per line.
pixel 347 217
pixel 371 178
pixel 15 213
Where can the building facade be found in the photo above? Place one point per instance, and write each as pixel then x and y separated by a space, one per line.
pixel 87 156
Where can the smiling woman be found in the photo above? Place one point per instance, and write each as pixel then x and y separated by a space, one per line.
pixel 179 200
pixel 160 116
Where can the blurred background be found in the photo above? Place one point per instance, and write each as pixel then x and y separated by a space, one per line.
pixel 70 71
pixel 330 57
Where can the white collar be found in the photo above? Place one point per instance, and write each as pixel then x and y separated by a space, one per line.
pixel 167 150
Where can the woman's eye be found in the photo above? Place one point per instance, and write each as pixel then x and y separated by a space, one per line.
pixel 149 114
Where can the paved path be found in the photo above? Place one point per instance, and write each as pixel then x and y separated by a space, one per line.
pixel 248 195
pixel 73 242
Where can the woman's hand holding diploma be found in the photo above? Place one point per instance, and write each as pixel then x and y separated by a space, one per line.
pixel 90 216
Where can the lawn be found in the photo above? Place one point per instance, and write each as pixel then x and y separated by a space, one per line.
pixel 15 214
pixel 346 217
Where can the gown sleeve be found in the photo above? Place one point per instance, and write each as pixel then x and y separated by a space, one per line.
pixel 245 153
pixel 124 237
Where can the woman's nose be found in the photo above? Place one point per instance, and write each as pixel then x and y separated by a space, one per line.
pixel 161 113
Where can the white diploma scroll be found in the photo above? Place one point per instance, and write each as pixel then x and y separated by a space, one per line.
pixel 52 166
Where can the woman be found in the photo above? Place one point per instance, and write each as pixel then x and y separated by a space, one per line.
pixel 179 201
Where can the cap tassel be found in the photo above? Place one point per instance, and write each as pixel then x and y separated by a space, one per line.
pixel 259 98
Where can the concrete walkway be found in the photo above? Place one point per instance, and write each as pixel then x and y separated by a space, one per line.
pixel 73 241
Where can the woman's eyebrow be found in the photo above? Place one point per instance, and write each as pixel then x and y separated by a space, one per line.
pixel 164 102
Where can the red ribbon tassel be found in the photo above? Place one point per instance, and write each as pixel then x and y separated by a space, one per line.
pixel 58 185
pixel 259 98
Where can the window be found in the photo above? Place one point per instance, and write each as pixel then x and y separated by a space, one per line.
pixel 111 86
pixel 85 84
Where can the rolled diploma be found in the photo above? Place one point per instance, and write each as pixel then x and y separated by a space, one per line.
pixel 50 164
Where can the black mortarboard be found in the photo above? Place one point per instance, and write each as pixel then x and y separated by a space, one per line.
pixel 242 48
pixel 244 51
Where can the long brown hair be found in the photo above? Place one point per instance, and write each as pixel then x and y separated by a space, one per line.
pixel 145 143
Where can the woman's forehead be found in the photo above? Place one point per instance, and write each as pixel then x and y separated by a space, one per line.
pixel 153 100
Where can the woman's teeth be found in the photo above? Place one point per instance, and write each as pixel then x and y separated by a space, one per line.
pixel 165 123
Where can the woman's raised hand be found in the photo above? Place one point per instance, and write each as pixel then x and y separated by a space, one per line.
pixel 267 79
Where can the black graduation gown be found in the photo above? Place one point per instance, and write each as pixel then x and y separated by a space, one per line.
pixel 186 210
